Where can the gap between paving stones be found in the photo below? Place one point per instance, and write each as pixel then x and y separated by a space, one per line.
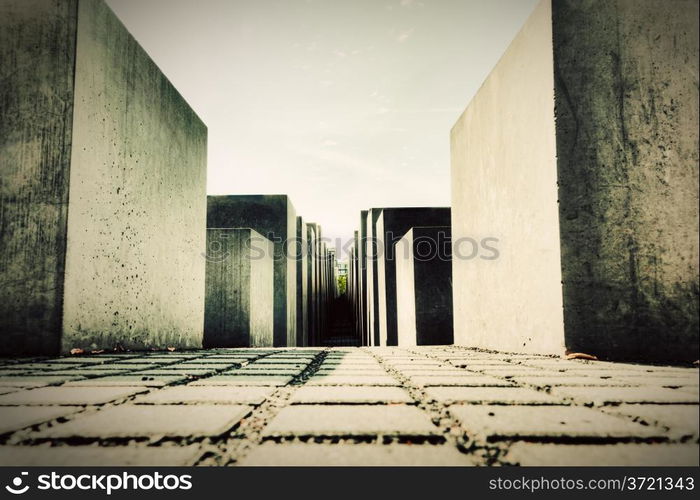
pixel 24 436
pixel 249 431
pixel 438 412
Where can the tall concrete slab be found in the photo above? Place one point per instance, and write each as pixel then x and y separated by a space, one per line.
pixel 372 278
pixel 312 284
pixel 392 224
pixel 274 217
pixel 580 155
pixel 424 287
pixel 362 278
pixel 239 289
pixel 302 256
pixel 102 194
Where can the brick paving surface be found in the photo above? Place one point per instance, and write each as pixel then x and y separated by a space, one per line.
pixel 345 406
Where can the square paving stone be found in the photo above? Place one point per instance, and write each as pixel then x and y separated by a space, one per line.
pixel 608 395
pixel 253 380
pixel 492 395
pixel 350 394
pixel 151 420
pixel 63 395
pixel 681 420
pixel 313 454
pixel 13 418
pixel 129 380
pixel 124 367
pixel 35 381
pixel 547 422
pixel 332 379
pixel 351 420
pixel 79 360
pixel 672 381
pixel 621 454
pixel 474 380
pixel 91 456
pixel 188 394
pixel 282 361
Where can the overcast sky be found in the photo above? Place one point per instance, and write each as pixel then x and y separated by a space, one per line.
pixel 341 104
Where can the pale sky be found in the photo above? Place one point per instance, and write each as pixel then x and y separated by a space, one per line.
pixel 341 104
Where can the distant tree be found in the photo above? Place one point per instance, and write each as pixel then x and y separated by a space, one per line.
pixel 342 284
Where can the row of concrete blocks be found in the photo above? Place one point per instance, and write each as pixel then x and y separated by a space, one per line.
pixel 574 192
pixel 399 277
pixel 103 205
pixel 269 275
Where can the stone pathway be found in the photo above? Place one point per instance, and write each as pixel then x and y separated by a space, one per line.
pixel 344 406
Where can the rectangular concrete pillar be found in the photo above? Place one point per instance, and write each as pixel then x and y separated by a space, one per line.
pixel 372 278
pixel 274 217
pixel 102 203
pixel 239 289
pixel 362 278
pixel 392 224
pixel 578 155
pixel 312 284
pixel 424 287
pixel 302 284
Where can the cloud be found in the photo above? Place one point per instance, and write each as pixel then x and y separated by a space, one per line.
pixel 404 35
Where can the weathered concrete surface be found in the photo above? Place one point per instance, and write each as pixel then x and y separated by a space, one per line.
pixel 424 287
pixel 239 289
pixel 504 186
pixel 302 255
pixel 274 217
pixel 134 272
pixel 391 226
pixel 619 154
pixel 627 148
pixel 37 54
pixel 104 190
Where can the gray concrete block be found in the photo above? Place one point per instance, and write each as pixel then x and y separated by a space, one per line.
pixel 351 420
pixel 102 210
pixel 69 396
pixel 424 287
pixel 359 455
pixel 147 420
pixel 274 217
pixel 92 456
pixel 188 394
pixel 302 255
pixel 239 289
pixel 495 423
pixel 615 265
pixel 13 418
pixel 621 454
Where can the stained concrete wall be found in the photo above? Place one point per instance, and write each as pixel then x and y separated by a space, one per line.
pixel 627 148
pixel 302 284
pixel 622 147
pixel 392 224
pixel 104 189
pixel 424 287
pixel 37 55
pixel 239 289
pixel 274 217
